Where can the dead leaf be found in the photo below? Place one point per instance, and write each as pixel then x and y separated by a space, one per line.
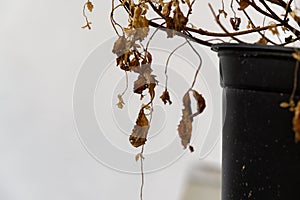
pixel 120 46
pixel 235 23
pixel 90 6
pixel 165 97
pixel 121 102
pixel 200 103
pixel 140 130
pixel 185 125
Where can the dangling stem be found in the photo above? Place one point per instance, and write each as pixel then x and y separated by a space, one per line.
pixel 142 173
pixel 199 66
pixel 167 63
pixel 126 87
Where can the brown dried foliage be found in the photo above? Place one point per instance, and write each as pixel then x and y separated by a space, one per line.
pixel 185 125
pixel 140 130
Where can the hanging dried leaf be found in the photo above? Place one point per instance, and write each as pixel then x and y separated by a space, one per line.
pixel 296 123
pixel 139 25
pixel 165 97
pixel 200 103
pixel 244 4
pixel 185 125
pixel 121 45
pixel 90 6
pixel 140 130
pixel 121 102
pixel 151 89
pixel 235 23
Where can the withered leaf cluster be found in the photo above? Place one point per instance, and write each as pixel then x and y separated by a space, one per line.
pixel 132 58
pixel 138 27
pixel 185 125
pixel 174 17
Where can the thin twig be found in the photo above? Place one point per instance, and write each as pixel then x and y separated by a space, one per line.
pixel 167 63
pixel 142 173
pixel 276 17
pixel 147 45
pixel 245 32
pixel 288 7
pixel 199 66
pixel 126 87
pixel 113 22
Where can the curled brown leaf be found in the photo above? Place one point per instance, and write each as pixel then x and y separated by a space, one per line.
pixel 200 103
pixel 235 23
pixel 185 125
pixel 165 97
pixel 121 102
pixel 90 6
pixel 140 130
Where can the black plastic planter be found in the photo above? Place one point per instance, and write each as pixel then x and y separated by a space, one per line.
pixel 260 158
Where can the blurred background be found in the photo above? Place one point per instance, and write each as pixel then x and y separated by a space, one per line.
pixel 42 50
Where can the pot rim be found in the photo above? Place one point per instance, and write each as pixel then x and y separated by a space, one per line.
pixel 253 47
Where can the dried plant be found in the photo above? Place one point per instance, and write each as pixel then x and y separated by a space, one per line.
pixel 236 20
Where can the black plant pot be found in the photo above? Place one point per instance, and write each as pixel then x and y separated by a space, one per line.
pixel 260 159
